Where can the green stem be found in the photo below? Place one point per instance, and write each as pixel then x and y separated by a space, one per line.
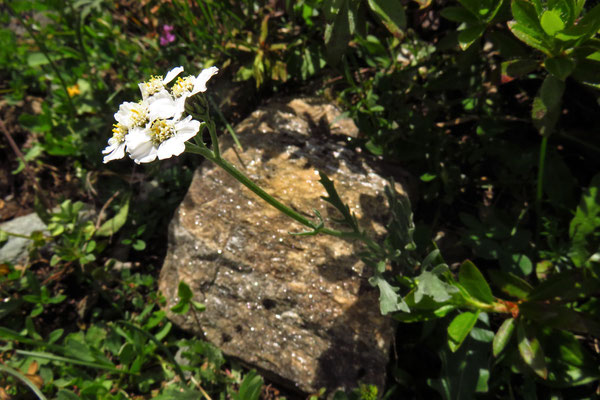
pixel 46 53
pixel 540 184
pixel 244 180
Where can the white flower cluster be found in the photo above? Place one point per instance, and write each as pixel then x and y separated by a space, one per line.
pixel 156 126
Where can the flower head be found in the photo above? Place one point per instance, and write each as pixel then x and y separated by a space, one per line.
pixel 161 138
pixel 167 36
pixel 156 83
pixel 157 125
pixel 116 144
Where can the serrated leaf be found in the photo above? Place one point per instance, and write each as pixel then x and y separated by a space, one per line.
pixel 473 281
pixel 547 105
pixel 428 284
pixel 531 351
pixel 391 14
pixel 551 22
pixel 502 337
pixel 389 300
pixel 460 327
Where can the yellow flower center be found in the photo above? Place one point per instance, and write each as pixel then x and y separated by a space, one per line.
pixel 183 85
pixel 119 132
pixel 154 84
pixel 139 115
pixel 161 130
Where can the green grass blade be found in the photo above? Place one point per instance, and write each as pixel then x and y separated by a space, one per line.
pixel 53 357
pixel 23 379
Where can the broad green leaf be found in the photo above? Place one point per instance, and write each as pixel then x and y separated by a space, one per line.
pixel 391 13
pixel 518 68
pixel 474 282
pixel 531 351
pixel 560 317
pixel 250 387
pixel 586 72
pixel 337 35
pixel 459 15
pixel 547 105
pixel 526 26
pixel 551 22
pixel 184 292
pixel 460 327
pixel 569 362
pixel 564 286
pixel 560 67
pixel 503 336
pixel 478 8
pixel 510 284
pixel 464 372
pixel 111 226
pixel 469 35
pixel 585 224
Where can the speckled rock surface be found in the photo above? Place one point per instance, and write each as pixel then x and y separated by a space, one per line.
pixel 299 309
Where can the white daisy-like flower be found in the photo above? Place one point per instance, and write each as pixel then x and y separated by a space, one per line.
pixel 131 114
pixel 162 105
pixel 116 144
pixel 162 138
pixel 191 85
pixel 157 83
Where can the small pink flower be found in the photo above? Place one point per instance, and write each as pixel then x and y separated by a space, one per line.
pixel 167 36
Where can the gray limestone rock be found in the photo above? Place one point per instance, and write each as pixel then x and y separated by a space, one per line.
pixel 16 249
pixel 299 309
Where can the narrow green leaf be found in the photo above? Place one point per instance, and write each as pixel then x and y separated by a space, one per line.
pixel 547 105
pixel 531 351
pixel 111 226
pixel 460 327
pixel 337 35
pixel 503 336
pixel 391 14
pixel 184 292
pixel 23 379
pixel 473 281
pixel 53 357
pixel 510 283
pixel 551 22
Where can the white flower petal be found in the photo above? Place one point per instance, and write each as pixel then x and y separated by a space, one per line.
pixel 140 146
pixel 172 74
pixel 171 147
pixel 187 128
pixel 202 78
pixel 162 105
pixel 117 152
